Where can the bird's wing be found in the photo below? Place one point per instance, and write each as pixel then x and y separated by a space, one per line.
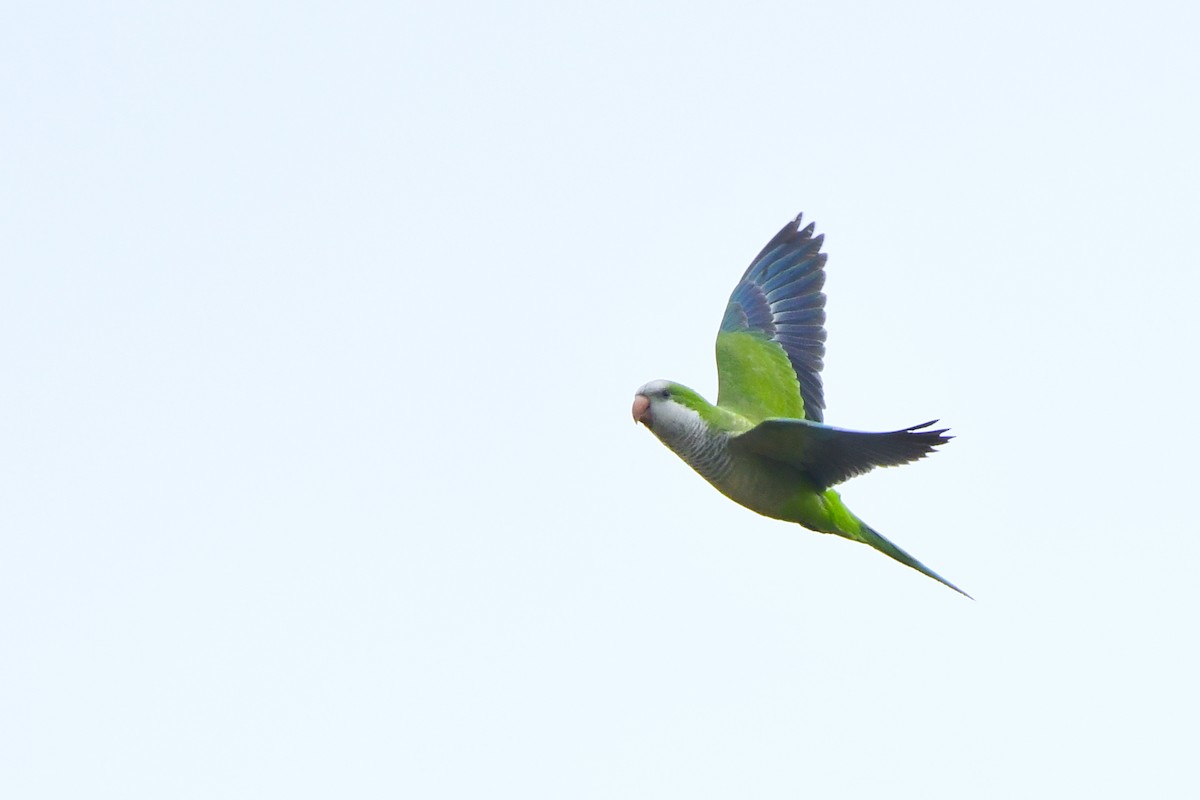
pixel 772 338
pixel 831 455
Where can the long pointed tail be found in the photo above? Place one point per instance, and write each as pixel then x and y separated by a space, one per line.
pixel 868 535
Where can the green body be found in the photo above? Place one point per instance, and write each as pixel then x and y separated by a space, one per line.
pixel 781 491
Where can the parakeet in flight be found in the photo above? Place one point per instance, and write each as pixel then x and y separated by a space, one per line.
pixel 764 444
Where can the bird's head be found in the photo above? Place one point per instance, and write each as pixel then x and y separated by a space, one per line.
pixel 649 401
pixel 667 408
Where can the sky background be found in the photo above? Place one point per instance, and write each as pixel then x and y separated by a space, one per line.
pixel 319 330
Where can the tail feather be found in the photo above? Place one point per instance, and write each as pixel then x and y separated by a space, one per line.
pixel 868 535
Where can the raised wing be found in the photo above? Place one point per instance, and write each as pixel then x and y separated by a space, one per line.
pixel 772 338
pixel 831 455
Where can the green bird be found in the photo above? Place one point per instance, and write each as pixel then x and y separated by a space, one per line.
pixel 764 444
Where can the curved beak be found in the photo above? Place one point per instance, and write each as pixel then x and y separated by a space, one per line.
pixel 641 409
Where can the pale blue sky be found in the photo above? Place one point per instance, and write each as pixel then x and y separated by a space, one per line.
pixel 320 324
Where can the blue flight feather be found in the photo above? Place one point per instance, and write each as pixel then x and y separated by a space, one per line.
pixel 780 296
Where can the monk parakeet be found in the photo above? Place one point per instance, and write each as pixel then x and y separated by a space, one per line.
pixel 764 444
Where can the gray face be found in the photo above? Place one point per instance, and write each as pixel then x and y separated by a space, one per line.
pixel 671 421
pixel 647 398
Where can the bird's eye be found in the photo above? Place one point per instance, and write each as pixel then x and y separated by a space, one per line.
pixel 665 393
